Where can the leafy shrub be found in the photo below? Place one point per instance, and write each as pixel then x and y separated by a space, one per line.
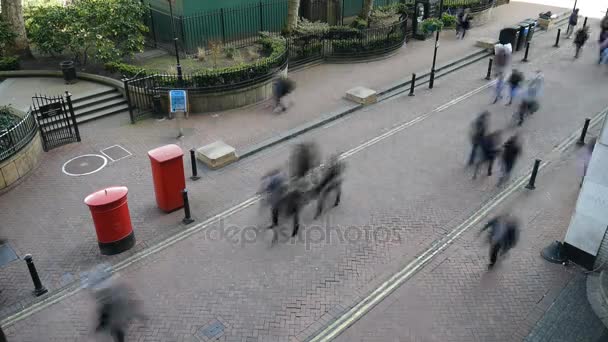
pixel 88 29
pixel 124 69
pixel 359 23
pixel 7 118
pixel 431 25
pixel 358 46
pixel 231 52
pixel 201 54
pixel 306 27
pixel 449 21
pixel 9 63
pixel 6 36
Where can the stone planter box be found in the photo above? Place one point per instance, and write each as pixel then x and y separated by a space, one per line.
pixel 21 164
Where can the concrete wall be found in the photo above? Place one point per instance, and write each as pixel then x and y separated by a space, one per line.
pixel 20 165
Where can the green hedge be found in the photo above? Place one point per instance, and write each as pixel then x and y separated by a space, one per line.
pixel 7 118
pixel 9 63
pixel 356 46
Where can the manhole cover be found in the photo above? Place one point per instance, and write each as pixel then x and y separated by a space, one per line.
pixel 84 165
pixel 116 152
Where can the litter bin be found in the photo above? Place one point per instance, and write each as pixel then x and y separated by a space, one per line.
pixel 69 71
pixel 531 28
pixel 110 212
pixel 168 175
pixel 508 36
pixel 521 39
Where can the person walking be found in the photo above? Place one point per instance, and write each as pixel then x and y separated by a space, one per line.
pixel 580 39
pixel 116 309
pixel 510 153
pixel 330 181
pixel 503 235
pixel 572 22
pixel 489 150
pixel 479 129
pixel 281 88
pixel 530 101
pixel 273 185
pixel 463 23
pixel 515 81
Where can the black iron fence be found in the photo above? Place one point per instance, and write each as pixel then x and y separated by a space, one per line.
pixel 18 136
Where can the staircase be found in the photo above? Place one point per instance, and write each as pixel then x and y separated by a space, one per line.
pixel 104 102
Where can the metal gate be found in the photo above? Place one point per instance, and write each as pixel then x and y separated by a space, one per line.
pixel 56 120
pixel 143 97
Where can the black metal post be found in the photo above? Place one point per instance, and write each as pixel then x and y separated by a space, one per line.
pixel 432 80
pixel 223 26
pixel 343 12
pixel 68 98
pixel 489 74
pixel 187 218
pixel 559 32
pixel 179 67
pixel 193 162
pixel 581 140
pixel 261 17
pixel 125 81
pixel 153 27
pixel 412 85
pixel 526 54
pixel 39 289
pixel 533 176
pixel 585 22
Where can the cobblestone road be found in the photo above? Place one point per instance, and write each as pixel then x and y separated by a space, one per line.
pixel 411 186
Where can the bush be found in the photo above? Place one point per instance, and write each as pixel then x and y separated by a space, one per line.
pixel 357 46
pixel 9 63
pixel 431 25
pixel 448 20
pixel 6 36
pixel 231 52
pixel 306 28
pixel 126 70
pixel 7 118
pixel 359 23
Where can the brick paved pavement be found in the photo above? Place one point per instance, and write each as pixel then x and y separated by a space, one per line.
pixel 291 290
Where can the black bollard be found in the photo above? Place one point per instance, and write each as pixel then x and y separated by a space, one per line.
pixel 533 177
pixel 559 31
pixel 193 162
pixel 412 85
pixel 526 54
pixel 585 22
pixel 39 289
pixel 581 140
pixel 489 75
pixel 187 218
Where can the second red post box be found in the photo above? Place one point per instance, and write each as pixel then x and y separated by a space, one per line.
pixel 168 174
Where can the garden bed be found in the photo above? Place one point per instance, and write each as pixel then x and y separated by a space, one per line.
pixel 7 119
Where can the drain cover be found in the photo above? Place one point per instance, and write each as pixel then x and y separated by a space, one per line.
pixel 214 329
pixel 116 152
pixel 84 165
pixel 6 254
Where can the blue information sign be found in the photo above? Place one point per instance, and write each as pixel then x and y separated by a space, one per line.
pixel 179 101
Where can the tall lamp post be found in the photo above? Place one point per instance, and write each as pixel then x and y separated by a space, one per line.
pixel 179 67
pixel 432 80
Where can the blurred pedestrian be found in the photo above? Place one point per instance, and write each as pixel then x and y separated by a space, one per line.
pixel 572 22
pixel 489 150
pixel 281 88
pixel 331 180
pixel 604 50
pixel 580 39
pixel 587 153
pixel 116 309
pixel 502 58
pixel 531 97
pixel 304 157
pixel 503 235
pixel 603 39
pixel 515 81
pixel 510 153
pixel 274 188
pixel 479 128
pixel 463 23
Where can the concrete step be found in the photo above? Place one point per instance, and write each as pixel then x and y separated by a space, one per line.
pixel 102 113
pixel 78 106
pixel 101 92
pixel 99 106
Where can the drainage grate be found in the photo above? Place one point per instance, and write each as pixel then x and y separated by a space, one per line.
pixel 116 152
pixel 6 254
pixel 212 330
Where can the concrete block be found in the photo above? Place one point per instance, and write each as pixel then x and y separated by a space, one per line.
pixel 216 155
pixel 487 43
pixel 9 171
pixel 22 165
pixel 2 182
pixel 362 95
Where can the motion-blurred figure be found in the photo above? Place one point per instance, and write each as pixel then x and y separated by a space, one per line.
pixel 274 188
pixel 515 81
pixel 489 150
pixel 281 88
pixel 463 23
pixel 331 180
pixel 479 128
pixel 603 39
pixel 530 101
pixel 572 22
pixel 116 309
pixel 581 37
pixel 503 235
pixel 304 157
pixel 510 153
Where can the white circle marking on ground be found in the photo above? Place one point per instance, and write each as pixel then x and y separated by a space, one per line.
pixel 105 162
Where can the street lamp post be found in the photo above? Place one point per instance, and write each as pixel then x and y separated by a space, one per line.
pixel 179 67
pixel 432 80
pixel 568 29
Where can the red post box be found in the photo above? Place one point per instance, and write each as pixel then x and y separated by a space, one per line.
pixel 112 220
pixel 168 174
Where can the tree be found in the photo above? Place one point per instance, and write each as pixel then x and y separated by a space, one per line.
pixel 368 5
pixel 12 13
pixel 293 10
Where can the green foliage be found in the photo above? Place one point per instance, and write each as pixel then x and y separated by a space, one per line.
pixel 7 118
pixel 358 46
pixel 231 52
pixel 449 21
pixel 9 63
pixel 462 3
pixel 359 23
pixel 431 25
pixel 306 27
pixel 103 30
pixel 124 69
pixel 6 36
